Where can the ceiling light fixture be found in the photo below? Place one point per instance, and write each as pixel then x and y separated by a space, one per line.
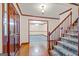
pixel 43 7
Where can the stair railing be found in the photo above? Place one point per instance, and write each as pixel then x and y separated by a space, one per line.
pixel 60 29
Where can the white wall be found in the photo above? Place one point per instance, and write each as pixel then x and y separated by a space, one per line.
pixel 74 13
pixel 74 10
pixel 37 30
pixel 39 33
pixel 24 27
pixel 56 22
pixel 33 27
pixel 66 24
pixel 0 28
pixel 53 23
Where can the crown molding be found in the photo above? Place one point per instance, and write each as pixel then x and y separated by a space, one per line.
pixel 74 4
pixel 33 15
pixel 66 11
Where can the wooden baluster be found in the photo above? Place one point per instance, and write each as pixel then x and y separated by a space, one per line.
pixel 78 36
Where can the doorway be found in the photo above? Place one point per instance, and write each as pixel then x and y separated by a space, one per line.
pixel 11 29
pixel 38 33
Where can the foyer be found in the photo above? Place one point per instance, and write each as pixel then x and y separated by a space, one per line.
pixel 39 29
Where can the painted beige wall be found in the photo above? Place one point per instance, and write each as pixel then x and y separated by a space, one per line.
pixel 0 28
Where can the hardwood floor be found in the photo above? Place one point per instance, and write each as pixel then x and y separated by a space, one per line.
pixel 28 50
pixel 24 50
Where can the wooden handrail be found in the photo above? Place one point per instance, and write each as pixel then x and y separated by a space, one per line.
pixel 61 22
pixel 65 11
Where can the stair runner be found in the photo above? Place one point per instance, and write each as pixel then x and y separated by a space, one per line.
pixel 68 46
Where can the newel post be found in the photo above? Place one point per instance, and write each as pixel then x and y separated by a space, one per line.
pixel 48 42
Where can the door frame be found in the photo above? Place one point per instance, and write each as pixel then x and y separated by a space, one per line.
pixel 47 31
pixel 8 18
pixel 14 26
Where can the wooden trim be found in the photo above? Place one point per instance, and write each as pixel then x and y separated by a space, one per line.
pixel 38 35
pixel 48 38
pixel 74 4
pixel 8 31
pixel 39 23
pixel 38 20
pixel 61 23
pixel 71 19
pixel 65 11
pixel 39 16
pixel 38 31
pixel 25 43
pixel 33 15
pixel 18 8
pixel 74 22
pixel 14 30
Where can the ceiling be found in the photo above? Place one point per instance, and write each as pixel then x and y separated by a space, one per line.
pixel 52 9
